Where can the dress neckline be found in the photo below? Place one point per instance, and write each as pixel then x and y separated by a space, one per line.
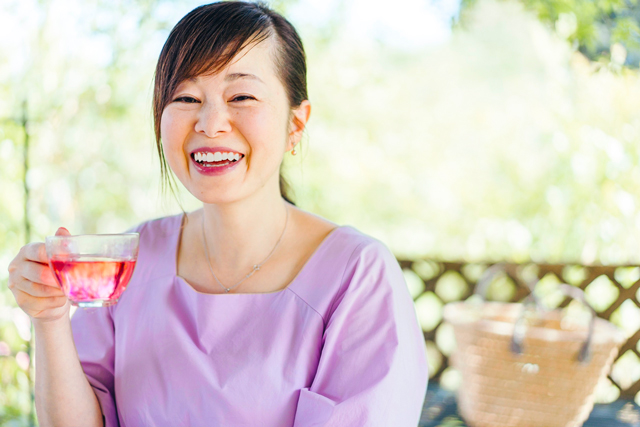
pixel 306 265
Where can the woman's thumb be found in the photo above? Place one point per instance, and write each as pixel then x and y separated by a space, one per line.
pixel 62 232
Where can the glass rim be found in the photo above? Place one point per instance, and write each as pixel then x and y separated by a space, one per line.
pixel 78 236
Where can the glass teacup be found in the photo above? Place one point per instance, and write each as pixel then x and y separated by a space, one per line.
pixel 93 269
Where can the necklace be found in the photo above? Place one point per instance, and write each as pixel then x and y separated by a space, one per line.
pixel 255 267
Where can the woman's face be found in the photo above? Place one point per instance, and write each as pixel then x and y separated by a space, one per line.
pixel 225 135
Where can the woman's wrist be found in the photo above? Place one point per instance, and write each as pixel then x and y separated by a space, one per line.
pixel 44 325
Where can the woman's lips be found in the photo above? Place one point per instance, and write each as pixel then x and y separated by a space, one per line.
pixel 225 167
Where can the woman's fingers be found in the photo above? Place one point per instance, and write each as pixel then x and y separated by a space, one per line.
pixel 39 273
pixel 32 278
pixel 62 232
pixel 38 289
pixel 36 252
pixel 33 285
pixel 30 304
pixel 22 267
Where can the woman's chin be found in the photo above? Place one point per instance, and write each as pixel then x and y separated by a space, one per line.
pixel 217 199
pixel 212 194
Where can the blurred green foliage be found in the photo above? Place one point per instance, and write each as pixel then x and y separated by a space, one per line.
pixel 15 393
pixel 593 25
pixel 504 143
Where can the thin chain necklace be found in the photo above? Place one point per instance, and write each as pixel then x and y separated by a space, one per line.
pixel 255 267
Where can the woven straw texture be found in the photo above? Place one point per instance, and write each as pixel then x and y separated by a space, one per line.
pixel 545 386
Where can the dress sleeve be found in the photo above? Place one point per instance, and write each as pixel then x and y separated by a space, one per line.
pixel 93 334
pixel 94 337
pixel 373 366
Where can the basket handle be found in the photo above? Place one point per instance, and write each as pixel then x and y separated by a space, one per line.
pixel 518 331
pixel 532 300
pixel 486 278
pixel 572 292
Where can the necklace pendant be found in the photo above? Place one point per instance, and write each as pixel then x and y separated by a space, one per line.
pixel 256 267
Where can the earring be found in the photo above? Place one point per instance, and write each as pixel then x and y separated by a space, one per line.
pixel 293 151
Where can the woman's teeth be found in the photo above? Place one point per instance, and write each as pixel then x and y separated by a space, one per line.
pixel 218 156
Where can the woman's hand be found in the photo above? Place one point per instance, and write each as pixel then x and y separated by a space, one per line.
pixel 33 284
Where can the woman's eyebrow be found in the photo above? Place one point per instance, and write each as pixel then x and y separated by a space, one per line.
pixel 236 76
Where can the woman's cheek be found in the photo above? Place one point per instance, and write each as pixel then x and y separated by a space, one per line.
pixel 260 129
pixel 169 127
pixel 173 132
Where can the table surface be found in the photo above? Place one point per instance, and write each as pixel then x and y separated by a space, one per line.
pixel 440 410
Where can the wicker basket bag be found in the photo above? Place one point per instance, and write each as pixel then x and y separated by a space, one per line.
pixel 523 366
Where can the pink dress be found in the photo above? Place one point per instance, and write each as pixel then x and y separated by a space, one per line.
pixel 340 346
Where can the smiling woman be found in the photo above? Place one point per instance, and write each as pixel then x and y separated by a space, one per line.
pixel 248 311
pixel 202 45
pixel 244 107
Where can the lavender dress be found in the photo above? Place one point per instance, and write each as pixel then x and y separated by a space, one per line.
pixel 340 346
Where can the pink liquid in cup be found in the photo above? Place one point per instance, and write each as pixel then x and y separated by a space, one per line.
pixel 92 281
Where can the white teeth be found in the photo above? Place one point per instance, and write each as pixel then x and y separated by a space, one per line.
pixel 216 157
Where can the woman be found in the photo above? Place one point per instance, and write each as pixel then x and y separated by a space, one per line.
pixel 249 311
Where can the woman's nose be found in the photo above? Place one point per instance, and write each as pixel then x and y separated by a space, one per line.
pixel 213 120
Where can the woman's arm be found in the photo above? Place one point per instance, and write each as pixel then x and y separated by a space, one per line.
pixel 64 397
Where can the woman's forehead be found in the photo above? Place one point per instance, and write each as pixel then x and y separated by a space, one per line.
pixel 227 77
pixel 254 62
pixel 255 59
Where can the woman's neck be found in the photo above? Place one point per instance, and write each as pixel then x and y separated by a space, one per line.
pixel 242 234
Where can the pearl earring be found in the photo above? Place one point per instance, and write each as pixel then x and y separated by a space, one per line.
pixel 293 151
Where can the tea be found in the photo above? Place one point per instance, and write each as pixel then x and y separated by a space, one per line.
pixel 91 281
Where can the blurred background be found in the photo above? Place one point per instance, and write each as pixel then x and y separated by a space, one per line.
pixel 475 131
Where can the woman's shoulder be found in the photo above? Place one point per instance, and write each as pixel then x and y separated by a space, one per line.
pixel 366 253
pixel 160 226
pixel 337 242
pixel 346 259
pixel 348 262
pixel 319 230
pixel 156 247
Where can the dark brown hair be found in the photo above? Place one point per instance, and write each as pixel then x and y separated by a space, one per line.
pixel 207 39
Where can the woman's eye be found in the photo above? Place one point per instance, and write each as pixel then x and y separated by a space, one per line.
pixel 242 98
pixel 186 99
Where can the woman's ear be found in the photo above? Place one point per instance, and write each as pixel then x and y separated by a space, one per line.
pixel 299 118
